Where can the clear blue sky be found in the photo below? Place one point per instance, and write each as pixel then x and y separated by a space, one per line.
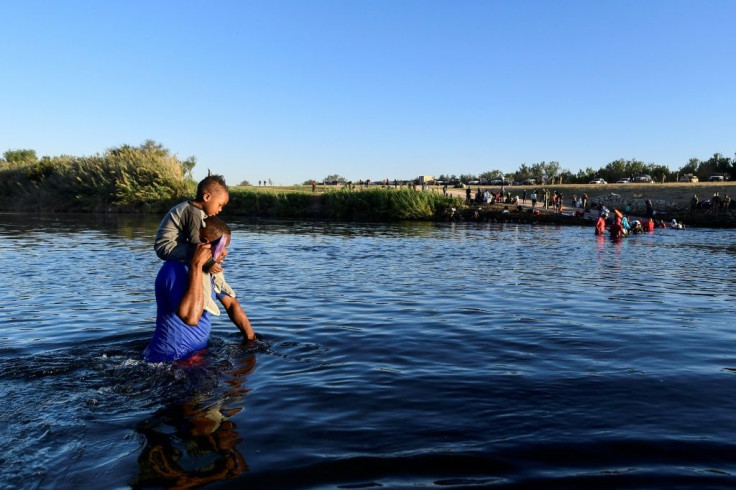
pixel 295 90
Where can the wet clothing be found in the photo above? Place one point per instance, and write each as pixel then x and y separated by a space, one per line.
pixel 616 230
pixel 600 226
pixel 625 223
pixel 174 339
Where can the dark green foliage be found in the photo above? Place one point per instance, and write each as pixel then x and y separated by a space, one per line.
pixel 19 156
pixel 386 205
pixel 123 179
pixel 293 205
pixel 249 203
pixel 367 205
pixel 262 204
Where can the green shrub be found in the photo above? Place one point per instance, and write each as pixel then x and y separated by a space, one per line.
pixel 124 178
pixel 385 205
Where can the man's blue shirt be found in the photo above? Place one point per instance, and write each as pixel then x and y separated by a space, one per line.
pixel 174 339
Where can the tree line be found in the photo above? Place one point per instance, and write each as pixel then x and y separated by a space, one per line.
pixel 150 152
pixel 552 172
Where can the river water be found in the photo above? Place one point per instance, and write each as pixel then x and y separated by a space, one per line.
pixel 404 355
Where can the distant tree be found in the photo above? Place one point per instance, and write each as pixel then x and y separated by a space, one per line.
pixel 585 176
pixel 492 174
pixel 690 167
pixel 660 173
pixel 524 173
pixel 717 164
pixel 624 168
pixel 244 183
pixel 544 171
pixel 331 178
pixel 616 170
pixel 18 156
pixel 150 147
pixel 553 169
pixel 567 177
pixel 188 165
pixel 465 178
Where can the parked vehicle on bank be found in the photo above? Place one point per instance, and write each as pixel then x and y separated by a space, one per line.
pixel 503 181
pixel 625 180
pixel 643 179
pixel 598 181
pixel 689 178
pixel 529 182
pixel 716 178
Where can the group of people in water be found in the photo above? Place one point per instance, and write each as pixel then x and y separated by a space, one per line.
pixel 621 225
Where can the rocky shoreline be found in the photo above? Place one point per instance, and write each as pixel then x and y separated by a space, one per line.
pixel 570 216
pixel 669 201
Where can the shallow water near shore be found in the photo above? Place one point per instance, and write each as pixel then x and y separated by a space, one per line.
pixel 414 354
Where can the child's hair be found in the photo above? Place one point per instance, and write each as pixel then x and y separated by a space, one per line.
pixel 214 228
pixel 212 184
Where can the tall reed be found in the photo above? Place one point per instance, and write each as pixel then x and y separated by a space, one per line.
pixel 147 178
pixel 123 179
pixel 344 205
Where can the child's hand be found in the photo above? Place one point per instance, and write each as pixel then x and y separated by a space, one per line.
pixel 217 268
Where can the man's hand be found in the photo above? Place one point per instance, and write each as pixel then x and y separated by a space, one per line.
pixel 201 255
pixel 191 306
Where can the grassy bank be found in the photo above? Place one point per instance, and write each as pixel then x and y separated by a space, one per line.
pixel 124 179
pixel 148 179
pixel 373 204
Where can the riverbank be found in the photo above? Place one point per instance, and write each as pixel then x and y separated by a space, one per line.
pixel 670 200
pixel 372 203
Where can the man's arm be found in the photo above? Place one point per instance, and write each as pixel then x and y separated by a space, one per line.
pixel 191 306
pixel 237 315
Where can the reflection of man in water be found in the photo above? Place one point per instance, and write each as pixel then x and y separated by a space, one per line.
pixel 192 443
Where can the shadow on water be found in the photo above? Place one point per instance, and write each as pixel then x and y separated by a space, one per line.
pixel 67 408
pixel 193 442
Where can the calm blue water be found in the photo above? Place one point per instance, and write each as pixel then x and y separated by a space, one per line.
pixel 430 355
